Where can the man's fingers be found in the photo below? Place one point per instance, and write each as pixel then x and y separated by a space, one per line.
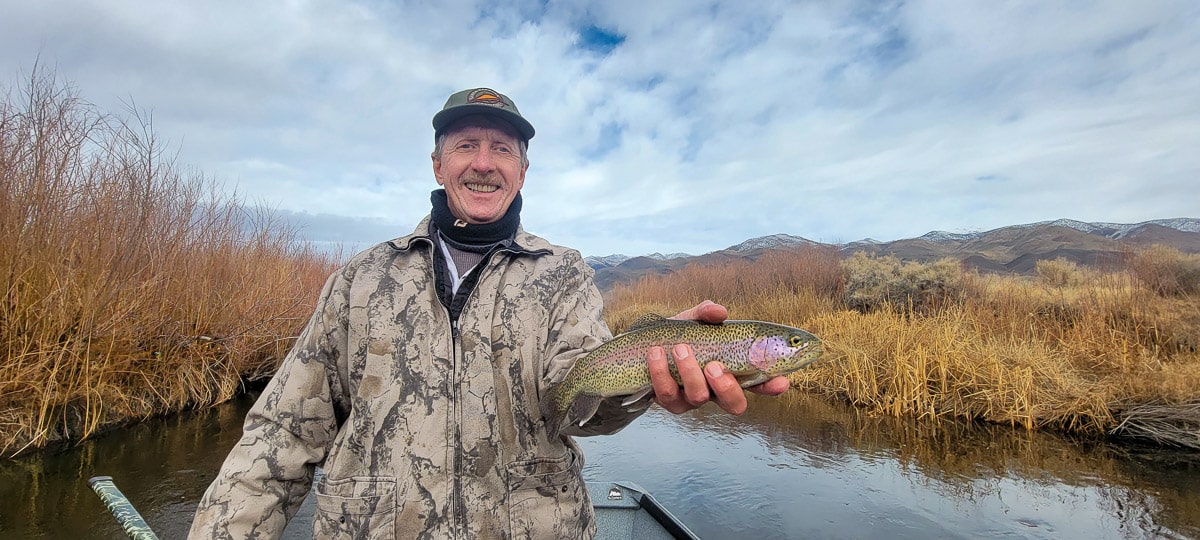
pixel 729 394
pixel 666 390
pixel 706 311
pixel 695 386
pixel 660 374
pixel 773 387
pixel 711 312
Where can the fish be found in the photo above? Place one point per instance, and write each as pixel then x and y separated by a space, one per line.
pixel 753 351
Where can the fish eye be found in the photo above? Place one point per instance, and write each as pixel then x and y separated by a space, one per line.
pixel 795 341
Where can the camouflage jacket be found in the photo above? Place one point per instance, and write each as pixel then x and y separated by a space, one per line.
pixel 422 431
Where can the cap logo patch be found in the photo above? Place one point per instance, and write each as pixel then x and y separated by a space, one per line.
pixel 486 96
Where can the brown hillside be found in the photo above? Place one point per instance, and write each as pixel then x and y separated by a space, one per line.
pixel 1015 249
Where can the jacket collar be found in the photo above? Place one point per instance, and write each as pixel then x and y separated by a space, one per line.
pixel 523 243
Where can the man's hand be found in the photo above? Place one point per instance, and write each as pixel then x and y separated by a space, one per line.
pixel 701 386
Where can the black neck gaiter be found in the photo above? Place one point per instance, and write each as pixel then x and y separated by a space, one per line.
pixel 471 234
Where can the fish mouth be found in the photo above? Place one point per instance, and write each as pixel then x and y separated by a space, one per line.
pixel 802 360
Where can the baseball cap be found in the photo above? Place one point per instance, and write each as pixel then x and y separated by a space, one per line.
pixel 481 101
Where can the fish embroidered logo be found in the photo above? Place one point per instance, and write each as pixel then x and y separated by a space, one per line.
pixel 486 96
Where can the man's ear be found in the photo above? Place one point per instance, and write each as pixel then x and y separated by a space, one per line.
pixel 437 169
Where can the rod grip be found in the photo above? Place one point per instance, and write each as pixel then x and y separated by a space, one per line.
pixel 121 509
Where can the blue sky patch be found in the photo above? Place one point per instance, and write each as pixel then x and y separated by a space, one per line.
pixel 594 39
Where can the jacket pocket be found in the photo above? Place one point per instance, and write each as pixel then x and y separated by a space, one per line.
pixel 547 498
pixel 357 507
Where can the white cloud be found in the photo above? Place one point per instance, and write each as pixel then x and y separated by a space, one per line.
pixel 689 127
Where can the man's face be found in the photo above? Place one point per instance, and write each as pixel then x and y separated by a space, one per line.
pixel 481 167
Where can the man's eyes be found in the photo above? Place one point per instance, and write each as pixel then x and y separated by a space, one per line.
pixel 503 149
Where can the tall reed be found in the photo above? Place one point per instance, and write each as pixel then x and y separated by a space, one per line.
pixel 131 288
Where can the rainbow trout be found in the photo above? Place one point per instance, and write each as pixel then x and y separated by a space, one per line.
pixel 754 351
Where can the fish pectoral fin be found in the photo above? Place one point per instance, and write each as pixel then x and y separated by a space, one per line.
pixel 636 396
pixel 751 380
pixel 583 409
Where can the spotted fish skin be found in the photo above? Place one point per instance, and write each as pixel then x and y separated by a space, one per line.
pixel 753 351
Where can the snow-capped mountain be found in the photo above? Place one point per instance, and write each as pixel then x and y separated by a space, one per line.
pixel 609 261
pixel 774 241
pixel 1114 231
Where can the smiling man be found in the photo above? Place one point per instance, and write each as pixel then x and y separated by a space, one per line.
pixel 416 383
pixel 480 159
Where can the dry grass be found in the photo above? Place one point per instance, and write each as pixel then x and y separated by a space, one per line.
pixel 130 289
pixel 1074 349
pixel 872 283
pixel 1167 271
pixel 778 286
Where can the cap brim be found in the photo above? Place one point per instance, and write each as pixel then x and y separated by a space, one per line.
pixel 449 116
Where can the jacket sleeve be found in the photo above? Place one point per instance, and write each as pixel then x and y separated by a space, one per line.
pixel 578 327
pixel 285 435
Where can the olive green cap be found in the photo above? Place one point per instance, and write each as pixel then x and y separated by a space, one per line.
pixel 481 101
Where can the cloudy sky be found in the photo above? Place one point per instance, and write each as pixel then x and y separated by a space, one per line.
pixel 666 125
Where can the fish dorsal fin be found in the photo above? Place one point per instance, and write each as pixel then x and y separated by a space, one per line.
pixel 645 321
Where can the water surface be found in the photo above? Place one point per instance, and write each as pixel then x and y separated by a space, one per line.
pixel 792 467
pixel 809 469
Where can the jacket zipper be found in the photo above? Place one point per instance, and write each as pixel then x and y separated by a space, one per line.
pixel 455 509
pixel 457 505
pixel 457 513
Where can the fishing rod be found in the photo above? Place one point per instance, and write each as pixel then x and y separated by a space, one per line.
pixel 121 508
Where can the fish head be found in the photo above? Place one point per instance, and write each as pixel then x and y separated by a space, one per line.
pixel 783 350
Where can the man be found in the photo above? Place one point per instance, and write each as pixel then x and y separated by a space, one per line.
pixel 416 384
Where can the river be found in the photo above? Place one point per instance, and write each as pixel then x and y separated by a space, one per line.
pixel 791 467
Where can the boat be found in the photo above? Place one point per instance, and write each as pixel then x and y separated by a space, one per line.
pixel 624 510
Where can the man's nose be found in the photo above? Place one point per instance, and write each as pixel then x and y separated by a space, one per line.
pixel 483 160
